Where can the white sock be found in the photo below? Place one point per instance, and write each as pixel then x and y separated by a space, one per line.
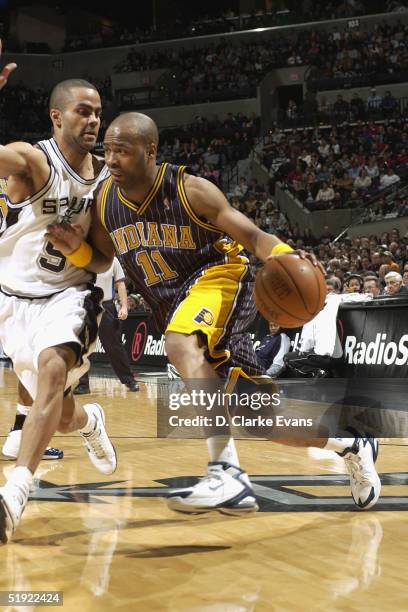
pixel 22 477
pixel 339 445
pixel 90 424
pixel 23 409
pixel 222 448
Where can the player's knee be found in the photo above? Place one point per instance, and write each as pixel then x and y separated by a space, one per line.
pixel 52 371
pixel 65 425
pixel 181 348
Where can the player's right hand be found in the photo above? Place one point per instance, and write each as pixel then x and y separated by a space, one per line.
pixel 65 237
pixel 7 70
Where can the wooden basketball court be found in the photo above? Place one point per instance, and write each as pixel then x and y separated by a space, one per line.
pixel 111 543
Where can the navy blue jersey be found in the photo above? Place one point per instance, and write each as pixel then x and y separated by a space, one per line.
pixel 164 246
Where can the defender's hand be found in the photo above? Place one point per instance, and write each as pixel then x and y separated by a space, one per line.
pixel 7 70
pixel 65 237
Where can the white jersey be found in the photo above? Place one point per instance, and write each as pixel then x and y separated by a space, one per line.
pixel 29 264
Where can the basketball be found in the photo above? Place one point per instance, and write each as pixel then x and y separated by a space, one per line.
pixel 289 291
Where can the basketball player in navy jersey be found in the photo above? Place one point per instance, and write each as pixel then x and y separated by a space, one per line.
pixel 48 308
pixel 180 243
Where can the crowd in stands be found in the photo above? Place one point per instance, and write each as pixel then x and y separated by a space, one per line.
pixel 342 166
pixel 367 264
pixel 209 146
pixel 371 264
pixel 228 69
pixel 23 113
pixel 316 110
pixel 198 20
pixel 347 58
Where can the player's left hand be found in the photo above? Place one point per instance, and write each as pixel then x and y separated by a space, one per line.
pixel 123 313
pixel 6 71
pixel 311 257
pixel 65 237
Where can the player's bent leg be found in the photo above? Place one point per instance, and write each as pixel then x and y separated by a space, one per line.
pixel 40 426
pixel 226 487
pixel 187 354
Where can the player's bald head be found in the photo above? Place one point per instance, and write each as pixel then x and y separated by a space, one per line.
pixel 134 127
pixel 62 93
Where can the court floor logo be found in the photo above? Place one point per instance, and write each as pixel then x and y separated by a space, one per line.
pixel 276 493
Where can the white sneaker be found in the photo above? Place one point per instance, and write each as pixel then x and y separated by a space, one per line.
pixel 13 500
pixel 225 488
pixel 100 448
pixel 12 445
pixel 360 462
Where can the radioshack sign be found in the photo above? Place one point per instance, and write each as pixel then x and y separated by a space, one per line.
pixel 375 340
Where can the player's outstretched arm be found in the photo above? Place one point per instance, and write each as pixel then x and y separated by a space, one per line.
pixel 20 158
pixel 209 202
pixel 23 160
pixel 95 253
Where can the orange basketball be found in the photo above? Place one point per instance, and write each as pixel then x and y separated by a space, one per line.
pixel 289 291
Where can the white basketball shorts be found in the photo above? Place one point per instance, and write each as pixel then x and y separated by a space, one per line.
pixel 28 326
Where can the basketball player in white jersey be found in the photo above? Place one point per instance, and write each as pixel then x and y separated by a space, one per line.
pixel 48 309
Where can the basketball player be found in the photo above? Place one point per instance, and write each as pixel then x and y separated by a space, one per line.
pixel 48 308
pixel 180 243
pixel 25 401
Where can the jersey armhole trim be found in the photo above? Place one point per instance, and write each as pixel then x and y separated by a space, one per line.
pixel 184 200
pixel 104 197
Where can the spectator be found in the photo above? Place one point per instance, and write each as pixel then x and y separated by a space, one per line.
pixel 374 101
pixel 340 108
pixel 291 111
pixel 325 193
pixel 388 259
pixel 393 284
pixel 389 178
pixel 372 285
pixel 272 350
pixel 362 182
pixel 389 104
pixel 333 285
pixel 357 107
pixel 353 284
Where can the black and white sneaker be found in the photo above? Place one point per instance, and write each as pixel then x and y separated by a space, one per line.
pixel 360 461
pixel 226 488
pixel 100 448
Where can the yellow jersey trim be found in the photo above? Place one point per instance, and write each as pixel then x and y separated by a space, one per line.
pixel 184 200
pixel 105 190
pixel 140 208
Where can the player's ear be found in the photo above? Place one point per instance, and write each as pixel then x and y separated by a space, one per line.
pixel 55 116
pixel 151 150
